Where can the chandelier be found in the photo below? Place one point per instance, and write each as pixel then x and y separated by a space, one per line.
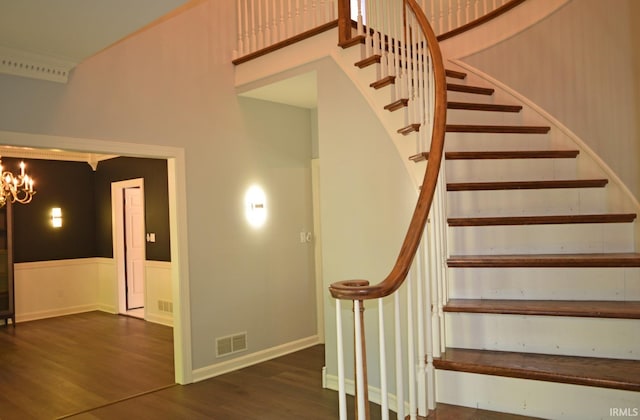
pixel 15 187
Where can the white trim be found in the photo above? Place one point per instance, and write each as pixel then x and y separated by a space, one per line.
pixel 163 265
pixel 331 382
pixel 110 309
pixel 317 247
pixel 253 358
pixel 32 316
pixel 158 319
pixel 35 265
pixel 35 66
pixel 91 159
pixel 176 168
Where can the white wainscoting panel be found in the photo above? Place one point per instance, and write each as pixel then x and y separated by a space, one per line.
pixel 46 289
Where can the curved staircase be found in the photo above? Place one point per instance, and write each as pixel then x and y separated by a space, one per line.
pixel 543 277
pixel 526 274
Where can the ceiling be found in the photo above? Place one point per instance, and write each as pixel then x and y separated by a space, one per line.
pixel 300 91
pixel 45 39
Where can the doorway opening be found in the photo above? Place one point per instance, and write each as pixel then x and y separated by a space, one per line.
pixel 127 207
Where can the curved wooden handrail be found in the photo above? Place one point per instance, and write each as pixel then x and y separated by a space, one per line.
pixel 361 289
pixel 481 20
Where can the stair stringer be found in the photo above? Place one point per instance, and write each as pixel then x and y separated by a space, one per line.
pixel 618 195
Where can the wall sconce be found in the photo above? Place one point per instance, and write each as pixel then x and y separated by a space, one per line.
pixel 255 206
pixel 56 217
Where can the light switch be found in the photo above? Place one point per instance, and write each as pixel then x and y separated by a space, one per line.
pixel 151 237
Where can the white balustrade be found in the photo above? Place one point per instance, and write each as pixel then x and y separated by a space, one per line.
pixel 263 23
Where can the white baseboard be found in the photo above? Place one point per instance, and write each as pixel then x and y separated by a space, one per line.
pixel 159 319
pixel 32 316
pixel 110 309
pixel 375 396
pixel 253 358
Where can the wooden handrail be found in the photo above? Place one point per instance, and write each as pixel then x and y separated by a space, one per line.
pixel 362 289
pixel 481 20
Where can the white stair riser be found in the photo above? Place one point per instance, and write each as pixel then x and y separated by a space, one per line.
pixel 526 202
pixel 459 116
pixel 454 96
pixel 510 170
pixel 548 400
pixel 570 283
pixel 496 142
pixel 572 336
pixel 542 239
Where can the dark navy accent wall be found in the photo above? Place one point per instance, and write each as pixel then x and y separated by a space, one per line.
pixel 85 199
pixel 156 196
pixel 68 185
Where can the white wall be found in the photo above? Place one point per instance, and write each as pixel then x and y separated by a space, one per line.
pixel 578 64
pixel 173 85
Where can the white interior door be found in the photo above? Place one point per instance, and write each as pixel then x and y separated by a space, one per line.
pixel 134 247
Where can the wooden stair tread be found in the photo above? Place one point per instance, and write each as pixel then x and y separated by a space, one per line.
pixel 542 220
pixel 507 129
pixel 395 105
pixel 588 309
pixel 385 81
pixel 471 106
pixel 455 74
pixel 546 260
pixel 513 154
pixel 409 129
pixel 526 185
pixel 374 59
pixel 589 371
pixel 355 40
pixel 478 90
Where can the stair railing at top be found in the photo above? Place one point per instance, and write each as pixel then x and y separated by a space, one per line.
pixel 399 34
pixel 264 24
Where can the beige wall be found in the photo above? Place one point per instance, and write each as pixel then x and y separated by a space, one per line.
pixel 634 23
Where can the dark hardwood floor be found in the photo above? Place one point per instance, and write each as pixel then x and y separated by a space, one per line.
pixel 100 366
pixel 56 366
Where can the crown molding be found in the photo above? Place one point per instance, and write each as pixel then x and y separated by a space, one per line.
pixel 36 66
pixel 53 154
